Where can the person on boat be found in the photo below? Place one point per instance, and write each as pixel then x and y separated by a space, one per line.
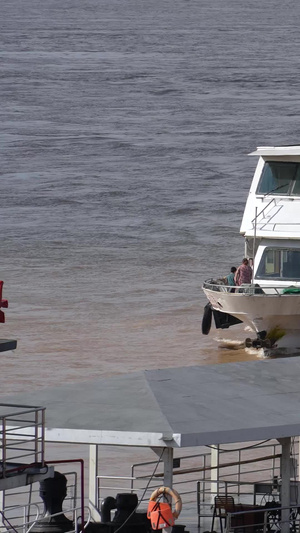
pixel 230 278
pixel 243 273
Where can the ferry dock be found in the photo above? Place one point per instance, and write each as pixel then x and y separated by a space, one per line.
pixel 220 431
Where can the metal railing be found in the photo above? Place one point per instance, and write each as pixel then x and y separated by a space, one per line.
pixel 265 520
pixel 193 478
pixel 22 438
pixel 249 289
pixel 240 490
pixel 246 483
pixel 143 483
pixel 27 497
pixel 23 524
pixel 22 513
pixel 262 212
pixel 238 476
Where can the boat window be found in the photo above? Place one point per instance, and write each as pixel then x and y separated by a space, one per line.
pixel 280 177
pixel 279 263
pixel 296 185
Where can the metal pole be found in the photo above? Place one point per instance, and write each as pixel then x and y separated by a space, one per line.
pixel 93 482
pixel 214 476
pixel 2 493
pixel 254 243
pixel 285 484
pixel 168 476
pixel 36 437
pixel 43 437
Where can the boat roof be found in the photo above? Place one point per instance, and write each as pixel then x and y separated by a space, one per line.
pixel 176 407
pixel 284 150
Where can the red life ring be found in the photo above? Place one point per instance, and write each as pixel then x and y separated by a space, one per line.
pixel 160 513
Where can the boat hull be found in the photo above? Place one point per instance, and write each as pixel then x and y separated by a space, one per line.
pixel 277 314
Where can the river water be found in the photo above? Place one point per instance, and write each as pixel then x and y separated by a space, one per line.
pixel 125 129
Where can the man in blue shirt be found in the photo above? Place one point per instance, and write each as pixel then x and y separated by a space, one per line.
pixel 230 277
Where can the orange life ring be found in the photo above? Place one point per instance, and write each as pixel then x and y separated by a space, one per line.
pixel 174 495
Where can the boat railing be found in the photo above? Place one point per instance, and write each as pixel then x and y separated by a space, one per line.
pixel 262 212
pixel 218 285
pixel 22 432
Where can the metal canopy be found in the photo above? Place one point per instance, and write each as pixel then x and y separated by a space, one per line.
pixel 177 407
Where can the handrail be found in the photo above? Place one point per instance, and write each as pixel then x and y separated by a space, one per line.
pixel 258 214
pixel 249 289
pixel 34 508
pixel 224 465
pixel 30 523
pixel 263 222
pixel 38 513
pixel 274 224
pixel 190 478
pixel 290 514
pixel 21 437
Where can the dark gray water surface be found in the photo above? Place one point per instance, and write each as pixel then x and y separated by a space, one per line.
pixel 125 128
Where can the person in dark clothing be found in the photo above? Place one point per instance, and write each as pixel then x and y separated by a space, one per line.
pixel 230 277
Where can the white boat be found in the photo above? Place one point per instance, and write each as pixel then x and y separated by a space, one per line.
pixel 270 304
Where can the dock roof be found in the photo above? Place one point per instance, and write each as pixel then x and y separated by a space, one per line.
pixel 177 407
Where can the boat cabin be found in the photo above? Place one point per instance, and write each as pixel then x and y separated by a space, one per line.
pixel 271 221
pixel 278 261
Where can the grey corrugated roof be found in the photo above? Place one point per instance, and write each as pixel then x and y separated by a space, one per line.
pixel 188 406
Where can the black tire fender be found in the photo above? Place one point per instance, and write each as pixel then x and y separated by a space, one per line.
pixel 206 320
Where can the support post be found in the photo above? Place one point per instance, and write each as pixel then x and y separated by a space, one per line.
pixel 93 485
pixel 168 467
pixel 2 494
pixel 214 476
pixel 254 245
pixel 285 483
pixel 168 475
pixel 167 458
pixel 166 455
pixel 298 463
pixel 2 507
